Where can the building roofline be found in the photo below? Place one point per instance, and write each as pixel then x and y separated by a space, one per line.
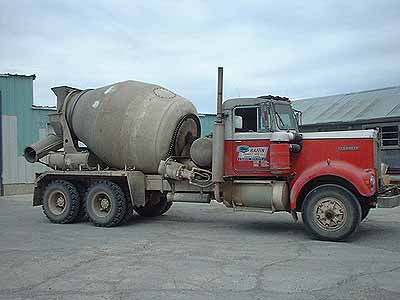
pixel 33 76
pixel 350 93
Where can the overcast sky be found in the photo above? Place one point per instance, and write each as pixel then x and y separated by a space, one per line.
pixel 290 48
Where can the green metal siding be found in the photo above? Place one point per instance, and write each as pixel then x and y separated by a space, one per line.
pixel 22 125
pixel 17 94
pixel 207 123
pixel 40 120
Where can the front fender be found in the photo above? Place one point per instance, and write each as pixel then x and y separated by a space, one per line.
pixel 359 178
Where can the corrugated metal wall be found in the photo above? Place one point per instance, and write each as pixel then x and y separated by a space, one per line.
pixel 207 123
pixel 15 168
pixel 21 126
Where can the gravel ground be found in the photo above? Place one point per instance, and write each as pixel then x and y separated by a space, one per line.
pixel 195 251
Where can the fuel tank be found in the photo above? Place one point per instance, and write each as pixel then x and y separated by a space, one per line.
pixel 132 124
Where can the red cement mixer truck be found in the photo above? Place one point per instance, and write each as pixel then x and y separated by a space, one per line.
pixel 134 146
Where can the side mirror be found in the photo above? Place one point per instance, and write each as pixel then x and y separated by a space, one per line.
pixel 299 117
pixel 238 122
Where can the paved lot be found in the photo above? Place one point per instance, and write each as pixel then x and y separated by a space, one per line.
pixel 194 252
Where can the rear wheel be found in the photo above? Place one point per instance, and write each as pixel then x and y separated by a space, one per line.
pixel 61 202
pixel 105 204
pixel 156 205
pixel 331 212
pixel 82 215
pixel 129 207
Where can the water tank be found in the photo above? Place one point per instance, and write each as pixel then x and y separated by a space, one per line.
pixel 201 152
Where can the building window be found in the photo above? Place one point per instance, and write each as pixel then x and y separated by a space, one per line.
pixel 390 136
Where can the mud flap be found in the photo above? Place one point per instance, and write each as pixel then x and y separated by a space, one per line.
pixel 137 187
pixel 37 199
pixel 37 190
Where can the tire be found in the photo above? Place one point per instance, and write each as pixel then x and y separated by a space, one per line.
pixel 129 208
pixel 364 211
pixel 61 202
pixel 82 215
pixel 105 204
pixel 156 205
pixel 331 212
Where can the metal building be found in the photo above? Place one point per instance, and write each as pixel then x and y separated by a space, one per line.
pixel 378 108
pixel 207 123
pixel 21 123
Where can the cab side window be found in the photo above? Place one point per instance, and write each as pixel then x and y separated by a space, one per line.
pixel 249 119
pixel 253 119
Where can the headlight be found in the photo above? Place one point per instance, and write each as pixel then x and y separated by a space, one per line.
pixel 372 181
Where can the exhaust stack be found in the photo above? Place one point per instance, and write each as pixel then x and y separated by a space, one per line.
pixel 218 142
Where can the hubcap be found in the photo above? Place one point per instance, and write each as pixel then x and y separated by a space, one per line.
pixel 57 202
pixel 104 203
pixel 101 204
pixel 330 214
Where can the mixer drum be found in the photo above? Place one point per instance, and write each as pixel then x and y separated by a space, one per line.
pixel 133 124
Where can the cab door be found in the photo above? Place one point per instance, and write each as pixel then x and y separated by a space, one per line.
pixel 251 140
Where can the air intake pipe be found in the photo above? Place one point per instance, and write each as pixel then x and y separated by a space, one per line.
pixel 43 147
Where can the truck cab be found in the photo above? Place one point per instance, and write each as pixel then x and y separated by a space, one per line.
pixel 331 178
pixel 260 133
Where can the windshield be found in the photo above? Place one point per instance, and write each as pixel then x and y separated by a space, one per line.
pixel 284 117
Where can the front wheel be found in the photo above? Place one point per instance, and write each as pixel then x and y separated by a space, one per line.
pixel 331 212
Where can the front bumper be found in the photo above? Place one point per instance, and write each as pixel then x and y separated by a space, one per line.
pixel 388 201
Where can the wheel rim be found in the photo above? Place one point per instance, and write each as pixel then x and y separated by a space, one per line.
pixel 57 202
pixel 330 214
pixel 101 204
